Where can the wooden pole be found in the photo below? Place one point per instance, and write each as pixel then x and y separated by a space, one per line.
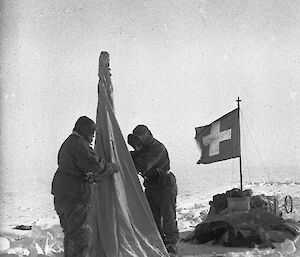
pixel 239 140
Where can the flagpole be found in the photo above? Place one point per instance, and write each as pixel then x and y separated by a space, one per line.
pixel 239 138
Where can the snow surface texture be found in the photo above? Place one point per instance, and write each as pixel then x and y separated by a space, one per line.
pixel 23 206
pixel 46 237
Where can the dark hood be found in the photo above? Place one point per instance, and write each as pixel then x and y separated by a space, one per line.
pixel 140 134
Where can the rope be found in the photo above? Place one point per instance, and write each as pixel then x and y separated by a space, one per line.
pixel 288 201
pixel 256 148
pixel 245 155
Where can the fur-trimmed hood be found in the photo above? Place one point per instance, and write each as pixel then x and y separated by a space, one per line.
pixel 141 134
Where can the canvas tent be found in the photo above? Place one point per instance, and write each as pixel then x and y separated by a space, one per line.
pixel 121 218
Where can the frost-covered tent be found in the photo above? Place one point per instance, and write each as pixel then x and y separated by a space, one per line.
pixel 121 218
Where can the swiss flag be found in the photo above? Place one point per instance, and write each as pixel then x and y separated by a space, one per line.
pixel 220 140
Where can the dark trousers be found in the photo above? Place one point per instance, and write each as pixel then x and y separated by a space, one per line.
pixel 162 201
pixel 73 216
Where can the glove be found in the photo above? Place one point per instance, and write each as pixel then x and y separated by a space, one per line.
pixel 112 168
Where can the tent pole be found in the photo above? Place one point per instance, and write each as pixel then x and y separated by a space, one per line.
pixel 239 138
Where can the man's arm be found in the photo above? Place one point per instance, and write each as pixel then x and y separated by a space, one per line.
pixel 146 161
pixel 92 165
pixel 87 160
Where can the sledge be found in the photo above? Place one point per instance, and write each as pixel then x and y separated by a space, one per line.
pixel 221 140
pixel 237 218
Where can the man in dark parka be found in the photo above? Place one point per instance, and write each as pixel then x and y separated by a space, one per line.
pixel 152 162
pixel 79 168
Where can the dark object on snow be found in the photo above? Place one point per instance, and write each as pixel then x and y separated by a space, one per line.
pixel 218 203
pixel 260 224
pixel 23 227
pixel 211 231
pixel 260 201
pixel 236 192
pixel 247 229
pixel 222 232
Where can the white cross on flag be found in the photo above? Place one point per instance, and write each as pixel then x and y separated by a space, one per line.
pixel 220 140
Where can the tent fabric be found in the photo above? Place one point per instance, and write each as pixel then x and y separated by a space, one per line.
pixel 121 219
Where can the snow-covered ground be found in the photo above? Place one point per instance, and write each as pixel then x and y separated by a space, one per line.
pixel 25 206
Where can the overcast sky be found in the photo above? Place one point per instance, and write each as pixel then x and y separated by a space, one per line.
pixel 175 65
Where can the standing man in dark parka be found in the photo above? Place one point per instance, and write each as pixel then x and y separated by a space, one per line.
pixel 152 162
pixel 79 168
